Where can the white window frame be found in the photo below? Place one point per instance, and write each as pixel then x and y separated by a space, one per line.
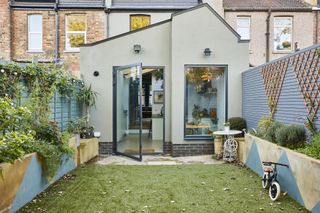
pixel 275 26
pixel 35 33
pixel 68 48
pixel 249 26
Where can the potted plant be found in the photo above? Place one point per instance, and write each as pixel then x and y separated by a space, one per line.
pixel 227 126
pixel 88 97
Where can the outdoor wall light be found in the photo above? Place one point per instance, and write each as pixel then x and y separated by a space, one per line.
pixel 137 48
pixel 207 52
pixel 96 73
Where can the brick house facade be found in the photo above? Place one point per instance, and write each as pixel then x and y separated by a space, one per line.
pixel 4 30
pixel 317 23
pixel 95 30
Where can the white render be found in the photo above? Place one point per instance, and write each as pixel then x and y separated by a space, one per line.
pixel 172 45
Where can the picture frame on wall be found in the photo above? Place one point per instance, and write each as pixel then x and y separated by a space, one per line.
pixel 158 97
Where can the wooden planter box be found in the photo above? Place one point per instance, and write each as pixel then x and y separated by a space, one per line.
pixel 24 179
pixel 88 149
pixel 301 180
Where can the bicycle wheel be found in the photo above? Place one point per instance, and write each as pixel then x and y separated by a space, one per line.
pixel 265 180
pixel 274 191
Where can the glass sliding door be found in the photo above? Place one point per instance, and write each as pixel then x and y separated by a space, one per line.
pixel 128 110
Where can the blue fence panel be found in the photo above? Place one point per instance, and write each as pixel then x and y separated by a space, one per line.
pixel 290 108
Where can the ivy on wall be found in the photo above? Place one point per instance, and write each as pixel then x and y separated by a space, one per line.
pixel 40 81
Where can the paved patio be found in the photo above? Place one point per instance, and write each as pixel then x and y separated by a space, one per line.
pixel 158 160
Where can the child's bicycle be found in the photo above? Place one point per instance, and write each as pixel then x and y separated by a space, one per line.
pixel 269 179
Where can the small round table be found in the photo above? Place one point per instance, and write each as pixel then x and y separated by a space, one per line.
pixel 230 145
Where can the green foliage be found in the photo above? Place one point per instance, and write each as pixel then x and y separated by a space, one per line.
pixel 49 132
pixel 313 149
pixel 291 136
pixel 22 126
pixel 237 123
pixel 13 118
pixel 51 156
pixel 79 127
pixel 14 145
pixel 88 97
pixel 311 126
pixel 75 126
pixel 263 125
pixel 271 132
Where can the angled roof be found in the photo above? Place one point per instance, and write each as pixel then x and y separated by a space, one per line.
pixel 256 5
pixel 153 4
pixel 169 20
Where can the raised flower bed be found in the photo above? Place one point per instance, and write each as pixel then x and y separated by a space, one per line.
pixel 25 178
pixel 301 180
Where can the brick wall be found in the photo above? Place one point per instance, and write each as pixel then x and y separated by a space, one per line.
pixel 4 30
pixel 95 31
pixel 317 16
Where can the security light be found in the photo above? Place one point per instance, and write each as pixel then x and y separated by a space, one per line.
pixel 137 48
pixel 96 73
pixel 207 52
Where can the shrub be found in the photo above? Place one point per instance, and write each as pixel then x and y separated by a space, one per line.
pixel 51 156
pixel 48 132
pixel 14 145
pixel 13 118
pixel 291 136
pixel 263 125
pixel 271 131
pixel 313 149
pixel 237 123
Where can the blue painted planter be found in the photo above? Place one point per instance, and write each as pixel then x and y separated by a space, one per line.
pixel 301 180
pixel 25 179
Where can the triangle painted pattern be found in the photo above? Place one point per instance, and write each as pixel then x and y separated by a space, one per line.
pixel 253 160
pixel 287 180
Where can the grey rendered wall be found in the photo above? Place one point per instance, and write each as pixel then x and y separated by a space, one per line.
pixel 119 22
pixel 291 108
pixel 192 32
pixel 156 51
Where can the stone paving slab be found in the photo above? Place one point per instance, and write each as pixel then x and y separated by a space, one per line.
pixel 157 160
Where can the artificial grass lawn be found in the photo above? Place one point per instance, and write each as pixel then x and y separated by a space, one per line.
pixel 184 188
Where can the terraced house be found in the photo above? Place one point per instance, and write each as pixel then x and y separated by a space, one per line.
pixel 46 30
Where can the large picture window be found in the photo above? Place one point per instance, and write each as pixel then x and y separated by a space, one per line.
pixel 139 21
pixel 35 33
pixel 243 27
pixel 283 34
pixel 204 101
pixel 75 32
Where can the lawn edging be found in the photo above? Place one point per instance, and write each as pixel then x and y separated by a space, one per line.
pixel 23 180
pixel 301 180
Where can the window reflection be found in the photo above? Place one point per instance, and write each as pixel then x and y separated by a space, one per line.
pixel 205 101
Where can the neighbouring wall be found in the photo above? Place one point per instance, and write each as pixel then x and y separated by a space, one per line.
pixel 288 81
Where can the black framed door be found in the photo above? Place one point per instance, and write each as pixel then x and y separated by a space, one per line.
pixel 127 108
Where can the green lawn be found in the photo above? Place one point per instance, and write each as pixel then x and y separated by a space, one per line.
pixel 185 188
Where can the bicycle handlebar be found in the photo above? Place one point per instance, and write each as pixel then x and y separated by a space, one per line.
pixel 269 163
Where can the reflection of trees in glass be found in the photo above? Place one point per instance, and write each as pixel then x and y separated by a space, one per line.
pixel 139 21
pixel 201 77
pixel 282 34
pixel 76 28
pixel 76 23
pixel 76 40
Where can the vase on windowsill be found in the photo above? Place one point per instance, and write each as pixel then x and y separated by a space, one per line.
pixel 227 127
